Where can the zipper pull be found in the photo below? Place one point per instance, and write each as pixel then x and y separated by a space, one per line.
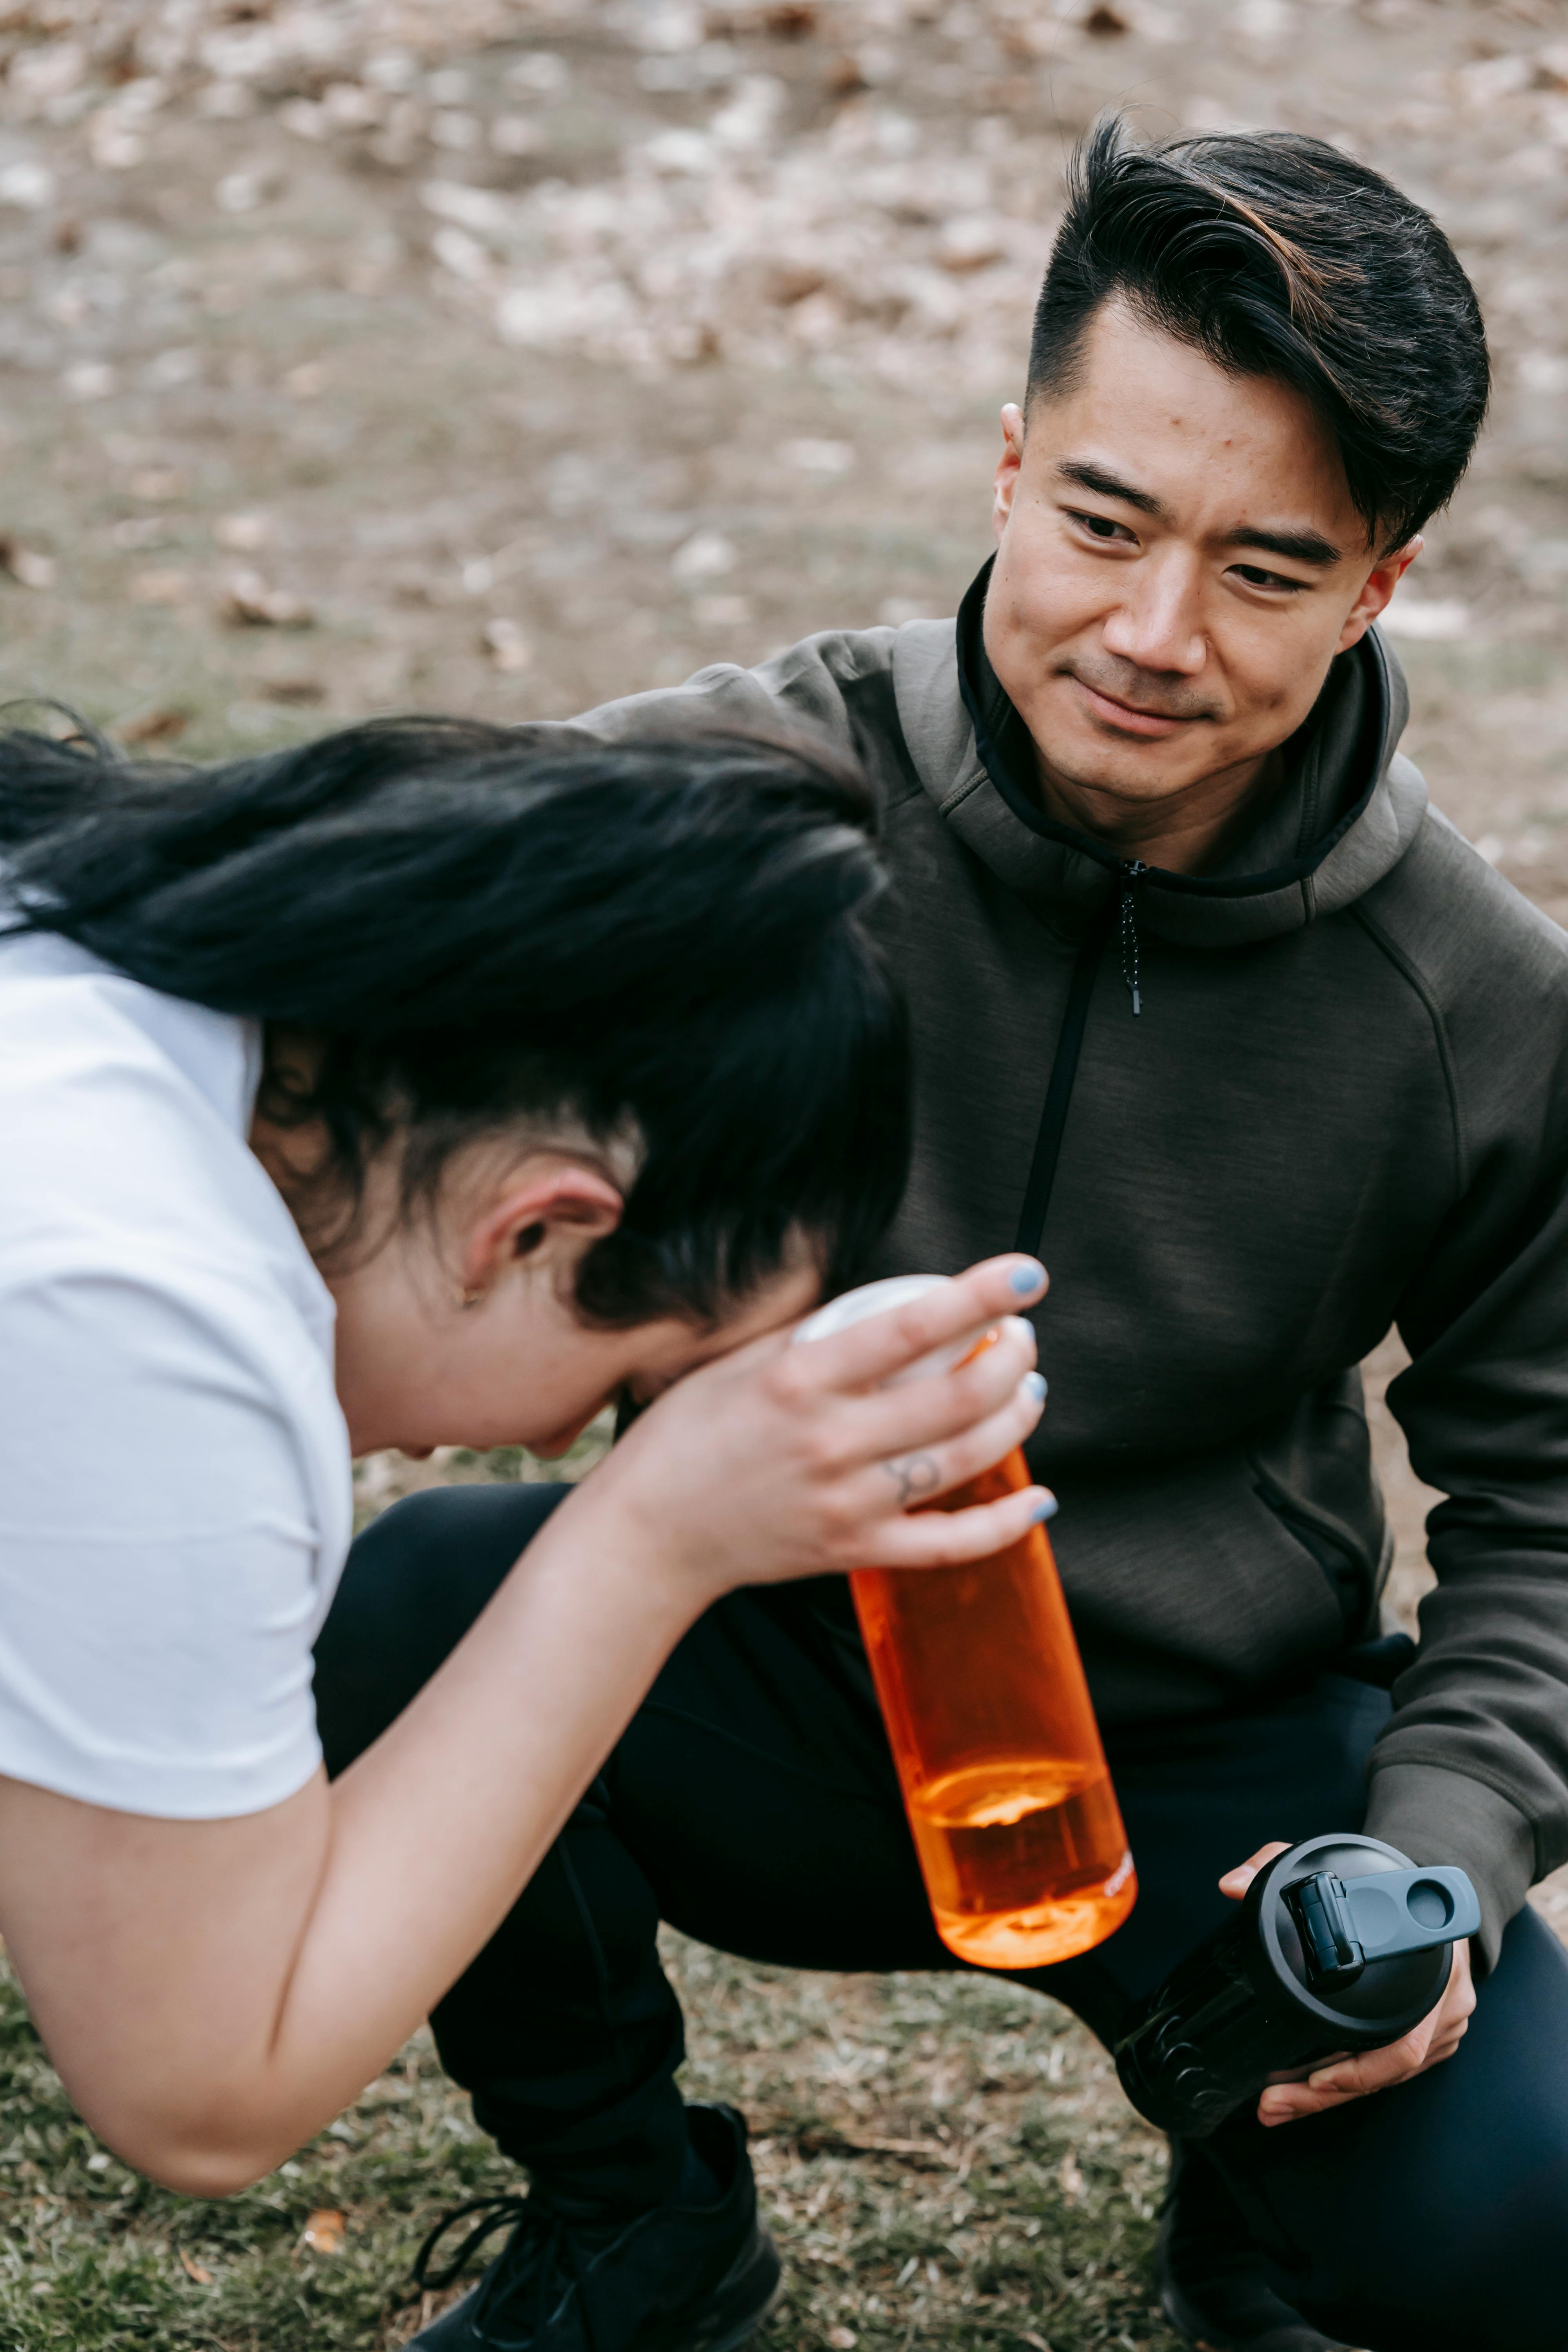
pixel 1132 871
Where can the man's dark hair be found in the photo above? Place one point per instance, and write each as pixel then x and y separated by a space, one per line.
pixel 1277 256
pixel 486 928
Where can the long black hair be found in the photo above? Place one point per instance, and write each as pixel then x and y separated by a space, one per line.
pixel 484 925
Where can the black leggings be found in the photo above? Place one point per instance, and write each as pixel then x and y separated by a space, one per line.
pixel 751 1803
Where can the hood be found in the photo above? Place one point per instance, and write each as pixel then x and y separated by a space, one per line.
pixel 1348 810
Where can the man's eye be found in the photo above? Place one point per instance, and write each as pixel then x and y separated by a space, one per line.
pixel 1102 527
pixel 1255 577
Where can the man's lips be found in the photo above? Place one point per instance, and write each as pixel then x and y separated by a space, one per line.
pixel 1126 717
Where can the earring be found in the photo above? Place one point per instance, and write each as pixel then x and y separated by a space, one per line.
pixel 468 1297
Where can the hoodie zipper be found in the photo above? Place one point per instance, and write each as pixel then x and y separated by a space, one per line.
pixel 1069 1045
pixel 1132 871
pixel 1058 1090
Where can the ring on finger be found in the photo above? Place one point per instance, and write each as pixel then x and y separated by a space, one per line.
pixel 914 1474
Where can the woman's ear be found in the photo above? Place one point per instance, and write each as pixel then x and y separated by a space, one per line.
pixel 556 1210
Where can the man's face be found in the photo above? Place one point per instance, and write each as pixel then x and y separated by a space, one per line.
pixel 1178 562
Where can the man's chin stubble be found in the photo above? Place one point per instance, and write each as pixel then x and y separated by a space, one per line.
pixel 1118 778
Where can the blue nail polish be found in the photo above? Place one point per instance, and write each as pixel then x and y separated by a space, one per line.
pixel 1026 1279
pixel 1045 1508
pixel 1035 1384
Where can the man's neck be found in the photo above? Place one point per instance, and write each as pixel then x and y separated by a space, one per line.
pixel 1188 831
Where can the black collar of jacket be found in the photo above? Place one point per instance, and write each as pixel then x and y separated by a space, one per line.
pixel 1006 752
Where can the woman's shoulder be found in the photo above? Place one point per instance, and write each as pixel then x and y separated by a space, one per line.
pixel 126 1115
pixel 65 1017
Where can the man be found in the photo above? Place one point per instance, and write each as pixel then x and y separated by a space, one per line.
pixel 1211 1008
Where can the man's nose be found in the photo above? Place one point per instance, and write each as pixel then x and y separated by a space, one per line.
pixel 1157 623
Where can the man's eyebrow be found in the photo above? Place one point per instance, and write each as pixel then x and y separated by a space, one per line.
pixel 1301 546
pixel 1107 485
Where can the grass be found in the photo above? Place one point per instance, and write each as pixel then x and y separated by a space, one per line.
pixel 944 2159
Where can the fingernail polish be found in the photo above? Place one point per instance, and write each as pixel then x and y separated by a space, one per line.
pixel 1026 1278
pixel 1034 1384
pixel 1045 1508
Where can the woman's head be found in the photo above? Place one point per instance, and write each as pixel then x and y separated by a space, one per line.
pixel 594 1034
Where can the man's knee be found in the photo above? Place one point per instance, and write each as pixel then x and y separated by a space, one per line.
pixel 1515 2283
pixel 1445 2228
pixel 1482 2264
pixel 414 1583
pixel 1505 2215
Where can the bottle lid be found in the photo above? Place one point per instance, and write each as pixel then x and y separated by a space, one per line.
pixel 1350 1931
pixel 881 1298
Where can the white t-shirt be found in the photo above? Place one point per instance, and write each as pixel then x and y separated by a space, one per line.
pixel 175 1488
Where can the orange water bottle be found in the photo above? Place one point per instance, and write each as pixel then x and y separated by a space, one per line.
pixel 988 1714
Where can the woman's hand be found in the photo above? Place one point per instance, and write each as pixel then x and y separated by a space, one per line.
pixel 1355 2074
pixel 780 1461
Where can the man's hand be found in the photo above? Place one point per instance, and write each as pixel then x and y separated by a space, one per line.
pixel 1436 2037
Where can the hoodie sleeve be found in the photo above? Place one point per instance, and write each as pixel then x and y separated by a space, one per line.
pixel 1473 1766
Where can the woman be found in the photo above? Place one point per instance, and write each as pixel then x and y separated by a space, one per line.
pixel 426 1084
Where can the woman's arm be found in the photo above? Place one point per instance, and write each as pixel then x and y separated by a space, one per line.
pixel 213 1992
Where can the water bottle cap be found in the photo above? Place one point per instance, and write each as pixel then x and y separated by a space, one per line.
pixel 1368 1961
pixel 880 1299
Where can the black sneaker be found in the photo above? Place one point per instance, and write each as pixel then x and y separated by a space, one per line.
pixel 683 2278
pixel 1214 2288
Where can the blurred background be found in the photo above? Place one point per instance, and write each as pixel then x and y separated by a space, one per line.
pixel 503 355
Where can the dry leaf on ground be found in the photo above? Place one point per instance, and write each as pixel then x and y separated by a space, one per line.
pixel 160 587
pixel 249 603
pixel 325 2231
pixel 508 647
pixel 151 727
pixel 24 564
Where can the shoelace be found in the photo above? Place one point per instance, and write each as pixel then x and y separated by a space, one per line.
pixel 544 2241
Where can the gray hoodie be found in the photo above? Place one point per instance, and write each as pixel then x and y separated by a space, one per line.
pixel 1343 1104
